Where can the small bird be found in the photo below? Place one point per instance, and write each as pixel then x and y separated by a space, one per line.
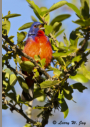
pixel 37 43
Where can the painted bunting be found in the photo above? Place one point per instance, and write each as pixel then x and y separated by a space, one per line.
pixel 37 43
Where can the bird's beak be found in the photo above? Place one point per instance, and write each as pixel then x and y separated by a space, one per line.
pixel 41 26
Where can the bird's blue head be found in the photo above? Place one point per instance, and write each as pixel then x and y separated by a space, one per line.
pixel 35 27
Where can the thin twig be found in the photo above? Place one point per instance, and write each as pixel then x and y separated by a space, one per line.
pixel 54 39
pixel 5 47
pixel 19 111
pixel 83 44
pixel 15 71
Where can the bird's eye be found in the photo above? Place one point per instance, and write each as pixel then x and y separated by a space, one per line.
pixel 35 26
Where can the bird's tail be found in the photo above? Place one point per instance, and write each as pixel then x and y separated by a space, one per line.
pixel 28 96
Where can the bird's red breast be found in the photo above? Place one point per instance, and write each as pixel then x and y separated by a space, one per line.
pixel 40 45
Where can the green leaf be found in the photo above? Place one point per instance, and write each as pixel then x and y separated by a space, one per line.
pixel 79 34
pixel 7 70
pixel 56 27
pixel 39 16
pixel 38 92
pixel 67 91
pixel 34 6
pixel 85 9
pixel 48 29
pixel 63 104
pixel 49 83
pixel 60 18
pixel 11 37
pixel 60 32
pixel 36 73
pixel 74 39
pixel 82 22
pixel 73 36
pixel 27 125
pixel 79 78
pixel 11 16
pixel 27 66
pixel 60 60
pixel 85 72
pixel 11 95
pixel 6 82
pixel 43 62
pixel 13 79
pixel 54 47
pixel 79 87
pixel 56 72
pixel 23 83
pixel 62 54
pixel 87 75
pixel 67 43
pixel 37 58
pixel 6 79
pixel 41 98
pixel 18 59
pixel 57 5
pixel 4 106
pixel 17 98
pixel 33 19
pixel 87 22
pixel 61 46
pixel 45 14
pixel 79 22
pixel 6 26
pixel 72 6
pixel 21 36
pixel 76 59
pixel 83 1
pixel 7 75
pixel 25 26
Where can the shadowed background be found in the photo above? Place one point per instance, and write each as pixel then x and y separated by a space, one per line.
pixel 79 111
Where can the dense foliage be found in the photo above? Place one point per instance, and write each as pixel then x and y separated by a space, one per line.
pixel 68 61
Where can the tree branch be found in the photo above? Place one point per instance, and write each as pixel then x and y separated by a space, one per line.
pixel 83 44
pixel 46 114
pixel 16 49
pixel 20 111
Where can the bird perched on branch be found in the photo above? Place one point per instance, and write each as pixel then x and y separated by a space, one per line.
pixel 37 43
